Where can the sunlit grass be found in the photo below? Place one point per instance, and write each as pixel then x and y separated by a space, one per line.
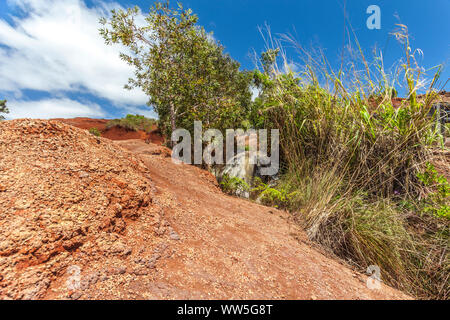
pixel 351 164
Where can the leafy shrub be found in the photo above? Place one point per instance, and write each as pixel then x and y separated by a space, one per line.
pixel 133 123
pixel 270 196
pixel 186 75
pixel 95 132
pixel 233 185
pixel 437 201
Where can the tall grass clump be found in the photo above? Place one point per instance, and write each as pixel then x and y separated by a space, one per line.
pixel 352 164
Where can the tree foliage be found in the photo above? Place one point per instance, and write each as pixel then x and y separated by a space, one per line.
pixel 180 67
pixel 3 109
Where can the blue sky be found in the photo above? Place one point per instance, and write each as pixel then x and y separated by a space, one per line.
pixel 54 64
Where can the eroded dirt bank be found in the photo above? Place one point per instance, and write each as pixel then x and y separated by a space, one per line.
pixel 88 218
pixel 114 133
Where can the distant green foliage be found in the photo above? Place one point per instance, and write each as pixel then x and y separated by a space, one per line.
pixel 133 123
pixel 95 132
pixel 3 108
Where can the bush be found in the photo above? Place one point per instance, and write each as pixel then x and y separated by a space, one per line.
pixel 354 168
pixel 270 195
pixel 95 132
pixel 133 123
pixel 234 185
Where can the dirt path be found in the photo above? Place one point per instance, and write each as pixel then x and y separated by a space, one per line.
pixel 221 247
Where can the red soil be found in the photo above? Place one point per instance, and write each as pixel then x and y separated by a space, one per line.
pixel 115 133
pixel 89 218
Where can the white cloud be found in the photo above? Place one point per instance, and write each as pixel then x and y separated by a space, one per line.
pixel 53 108
pixel 55 47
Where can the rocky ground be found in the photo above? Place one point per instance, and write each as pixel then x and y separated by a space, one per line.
pixel 88 218
pixel 66 200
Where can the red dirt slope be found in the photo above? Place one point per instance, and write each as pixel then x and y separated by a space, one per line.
pixel 84 218
pixel 230 248
pixel 66 199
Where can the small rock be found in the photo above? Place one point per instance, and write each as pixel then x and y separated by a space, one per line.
pixel 120 248
pixel 75 295
pixel 93 278
pixel 140 272
pixel 174 236
pixel 104 277
pixel 139 260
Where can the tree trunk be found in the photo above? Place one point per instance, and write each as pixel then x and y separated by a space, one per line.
pixel 172 120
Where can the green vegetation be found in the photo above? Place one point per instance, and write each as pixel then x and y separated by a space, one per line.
pixel 355 172
pixel 274 197
pixel 436 200
pixel 133 123
pixel 233 185
pixel 95 132
pixel 3 109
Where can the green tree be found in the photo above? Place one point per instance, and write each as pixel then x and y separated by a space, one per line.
pixel 265 82
pixel 180 67
pixel 3 109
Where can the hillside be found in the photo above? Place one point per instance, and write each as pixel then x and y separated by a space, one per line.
pixel 88 218
pixel 114 133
